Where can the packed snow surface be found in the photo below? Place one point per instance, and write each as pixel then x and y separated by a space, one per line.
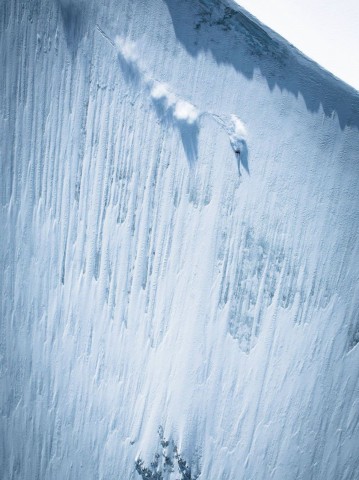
pixel 179 247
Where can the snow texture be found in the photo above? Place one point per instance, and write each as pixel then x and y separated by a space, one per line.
pixel 179 247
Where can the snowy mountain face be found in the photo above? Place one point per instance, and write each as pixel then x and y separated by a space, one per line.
pixel 179 247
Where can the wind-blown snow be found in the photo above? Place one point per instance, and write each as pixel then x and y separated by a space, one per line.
pixel 179 246
pixel 180 109
pixel 128 50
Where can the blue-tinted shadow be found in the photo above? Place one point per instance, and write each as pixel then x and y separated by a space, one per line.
pixel 188 132
pixel 129 69
pixel 189 136
pixel 74 21
pixel 242 158
pixel 233 37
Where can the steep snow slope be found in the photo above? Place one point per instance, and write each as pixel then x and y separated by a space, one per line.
pixel 179 248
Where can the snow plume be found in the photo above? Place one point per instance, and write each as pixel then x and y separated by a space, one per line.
pixel 238 130
pixel 186 111
pixel 129 60
pixel 181 113
pixel 237 134
pixel 235 129
pixel 127 50
pixel 180 109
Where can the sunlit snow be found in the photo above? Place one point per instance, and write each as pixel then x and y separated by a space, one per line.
pixel 325 30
